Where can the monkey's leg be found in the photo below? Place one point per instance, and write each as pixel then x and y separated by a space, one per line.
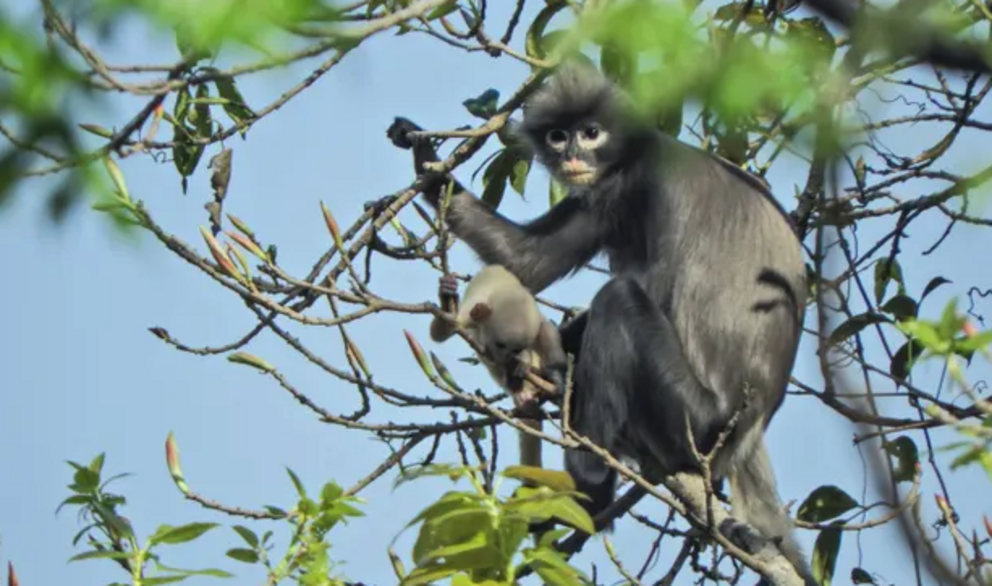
pixel 633 380
pixel 571 333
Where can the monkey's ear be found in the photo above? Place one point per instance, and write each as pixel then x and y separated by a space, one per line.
pixel 480 312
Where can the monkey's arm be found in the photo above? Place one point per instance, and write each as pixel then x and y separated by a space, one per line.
pixel 539 252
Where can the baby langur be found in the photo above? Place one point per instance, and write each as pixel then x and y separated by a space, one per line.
pixel 502 317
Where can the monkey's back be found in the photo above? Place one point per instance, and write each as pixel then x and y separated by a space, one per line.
pixel 739 324
pixel 515 316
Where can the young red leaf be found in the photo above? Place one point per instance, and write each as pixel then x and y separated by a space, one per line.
pixel 172 459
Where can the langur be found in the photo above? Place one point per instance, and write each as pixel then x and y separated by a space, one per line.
pixel 502 317
pixel 701 319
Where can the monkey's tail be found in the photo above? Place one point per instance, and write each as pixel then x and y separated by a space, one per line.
pixel 754 499
pixel 530 446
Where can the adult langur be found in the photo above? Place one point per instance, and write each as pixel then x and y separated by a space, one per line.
pixel 704 308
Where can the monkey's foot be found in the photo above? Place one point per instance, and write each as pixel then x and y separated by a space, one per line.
pixel 379 205
pixel 743 536
pixel 398 132
pixel 527 402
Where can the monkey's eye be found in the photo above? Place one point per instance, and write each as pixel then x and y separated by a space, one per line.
pixel 501 345
pixel 557 138
pixel 590 132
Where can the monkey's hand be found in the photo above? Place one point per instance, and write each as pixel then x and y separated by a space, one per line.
pixel 447 293
pixel 424 151
pixel 399 132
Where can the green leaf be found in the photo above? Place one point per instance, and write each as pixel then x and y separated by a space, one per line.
pixel 100 554
pixel 950 322
pixel 494 179
pixel 972 343
pixel 860 576
pixel 97 130
pixel 236 107
pixel 926 334
pixel 204 122
pixel 572 513
pixel 251 360
pixel 974 453
pixel 901 307
pixel 484 105
pixel 548 539
pixel 296 482
pixel 273 510
pixel 726 12
pixel 518 176
pixel 443 10
pixel 512 533
pixel 477 552
pixel 208 572
pixel 172 535
pixel 553 569
pixel 163 580
pixel 825 555
pixel 556 480
pixel 117 177
pixel 397 564
pixel 855 325
pixel 109 206
pixel 247 534
pixel 932 285
pixel 458 526
pixel 813 34
pixel 428 574
pixel 859 170
pixel 450 501
pixel 907 456
pixel 241 554
pixel 825 503
pixel 617 64
pixel 904 358
pixel 185 154
pixel 86 480
pixel 886 271
pixel 556 192
pixel 419 471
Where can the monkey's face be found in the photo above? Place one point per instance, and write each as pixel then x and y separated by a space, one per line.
pixel 508 338
pixel 577 153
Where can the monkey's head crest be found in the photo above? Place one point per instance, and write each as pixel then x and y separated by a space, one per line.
pixel 574 91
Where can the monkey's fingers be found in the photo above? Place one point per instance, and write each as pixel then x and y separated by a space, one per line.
pixel 448 287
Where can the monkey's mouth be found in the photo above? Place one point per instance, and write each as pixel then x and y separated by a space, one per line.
pixel 583 177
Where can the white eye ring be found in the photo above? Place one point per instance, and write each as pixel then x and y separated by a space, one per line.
pixel 592 136
pixel 556 139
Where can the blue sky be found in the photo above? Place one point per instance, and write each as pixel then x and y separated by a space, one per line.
pixel 81 374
